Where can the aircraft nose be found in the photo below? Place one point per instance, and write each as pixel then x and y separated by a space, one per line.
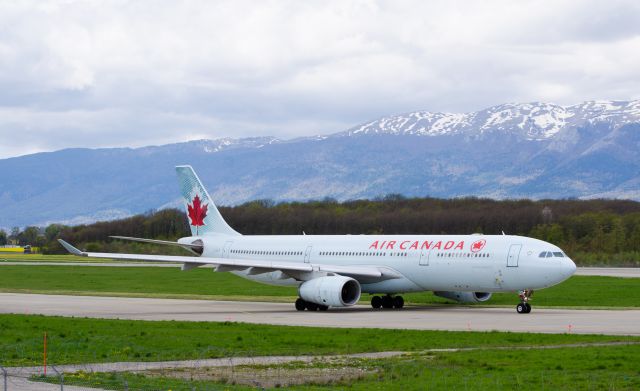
pixel 568 267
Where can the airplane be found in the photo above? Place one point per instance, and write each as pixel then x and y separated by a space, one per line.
pixel 335 270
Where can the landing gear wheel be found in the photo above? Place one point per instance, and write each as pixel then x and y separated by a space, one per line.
pixel 376 302
pixel 312 306
pixel 323 307
pixel 301 304
pixel 398 302
pixel 524 307
pixel 387 302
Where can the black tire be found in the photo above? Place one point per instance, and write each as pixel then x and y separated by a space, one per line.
pixel 301 304
pixel 527 307
pixel 387 302
pixel 521 308
pixel 398 302
pixel 323 307
pixel 312 306
pixel 376 302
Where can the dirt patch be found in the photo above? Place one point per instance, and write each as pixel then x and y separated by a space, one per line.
pixel 291 374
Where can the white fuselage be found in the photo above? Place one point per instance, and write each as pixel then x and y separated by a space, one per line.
pixel 479 263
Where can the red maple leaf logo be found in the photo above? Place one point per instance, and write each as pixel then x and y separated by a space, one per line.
pixel 478 245
pixel 197 212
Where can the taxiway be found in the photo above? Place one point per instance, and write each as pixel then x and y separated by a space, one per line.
pixel 541 320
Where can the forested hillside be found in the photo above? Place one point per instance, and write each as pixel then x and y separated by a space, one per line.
pixel 592 232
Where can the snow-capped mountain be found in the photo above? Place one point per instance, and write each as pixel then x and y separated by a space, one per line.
pixel 530 150
pixel 534 121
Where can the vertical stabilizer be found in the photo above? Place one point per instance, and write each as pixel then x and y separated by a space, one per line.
pixel 202 214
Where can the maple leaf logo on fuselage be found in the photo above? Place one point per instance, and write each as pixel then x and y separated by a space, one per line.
pixel 478 245
pixel 197 211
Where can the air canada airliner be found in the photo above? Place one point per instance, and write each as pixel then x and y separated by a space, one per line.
pixel 334 270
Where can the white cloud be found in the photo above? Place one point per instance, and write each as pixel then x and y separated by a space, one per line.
pixel 130 73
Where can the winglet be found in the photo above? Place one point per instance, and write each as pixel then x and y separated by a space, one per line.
pixel 71 249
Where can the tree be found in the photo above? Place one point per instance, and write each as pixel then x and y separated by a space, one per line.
pixel 28 236
pixel 15 231
pixel 52 232
pixel 3 237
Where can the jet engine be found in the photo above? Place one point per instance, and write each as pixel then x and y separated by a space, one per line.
pixel 465 297
pixel 333 291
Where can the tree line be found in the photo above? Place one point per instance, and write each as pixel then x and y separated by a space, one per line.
pixel 592 231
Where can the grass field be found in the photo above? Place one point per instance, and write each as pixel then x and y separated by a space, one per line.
pixel 523 364
pixel 81 340
pixel 585 368
pixel 578 291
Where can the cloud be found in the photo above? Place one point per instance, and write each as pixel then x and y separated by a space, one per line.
pixel 131 73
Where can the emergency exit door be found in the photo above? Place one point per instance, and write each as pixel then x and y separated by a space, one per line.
pixel 424 258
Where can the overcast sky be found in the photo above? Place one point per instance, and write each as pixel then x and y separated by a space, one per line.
pixel 134 73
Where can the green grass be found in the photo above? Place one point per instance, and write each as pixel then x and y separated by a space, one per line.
pixel 137 381
pixel 17 257
pixel 583 368
pixel 578 291
pixel 156 281
pixel 82 340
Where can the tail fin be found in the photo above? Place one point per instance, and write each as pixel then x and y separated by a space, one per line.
pixel 204 217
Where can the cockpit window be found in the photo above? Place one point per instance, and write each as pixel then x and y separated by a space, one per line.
pixel 558 254
pixel 542 254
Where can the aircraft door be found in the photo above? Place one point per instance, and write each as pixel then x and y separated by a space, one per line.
pixel 307 254
pixel 424 258
pixel 225 251
pixel 514 255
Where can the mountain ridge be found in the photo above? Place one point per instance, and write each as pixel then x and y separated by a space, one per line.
pixel 528 150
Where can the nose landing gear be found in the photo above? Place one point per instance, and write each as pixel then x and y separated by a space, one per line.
pixel 524 307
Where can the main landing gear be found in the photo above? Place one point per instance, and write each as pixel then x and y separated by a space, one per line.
pixel 302 305
pixel 387 301
pixel 524 307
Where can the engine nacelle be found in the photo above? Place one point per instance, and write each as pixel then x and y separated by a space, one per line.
pixel 465 297
pixel 333 291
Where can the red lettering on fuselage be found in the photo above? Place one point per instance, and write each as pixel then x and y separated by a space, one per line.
pixel 425 245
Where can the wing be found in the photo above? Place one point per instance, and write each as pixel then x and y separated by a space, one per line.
pixel 299 271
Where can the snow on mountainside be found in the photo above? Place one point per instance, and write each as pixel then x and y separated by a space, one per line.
pixel 529 150
pixel 217 145
pixel 534 121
